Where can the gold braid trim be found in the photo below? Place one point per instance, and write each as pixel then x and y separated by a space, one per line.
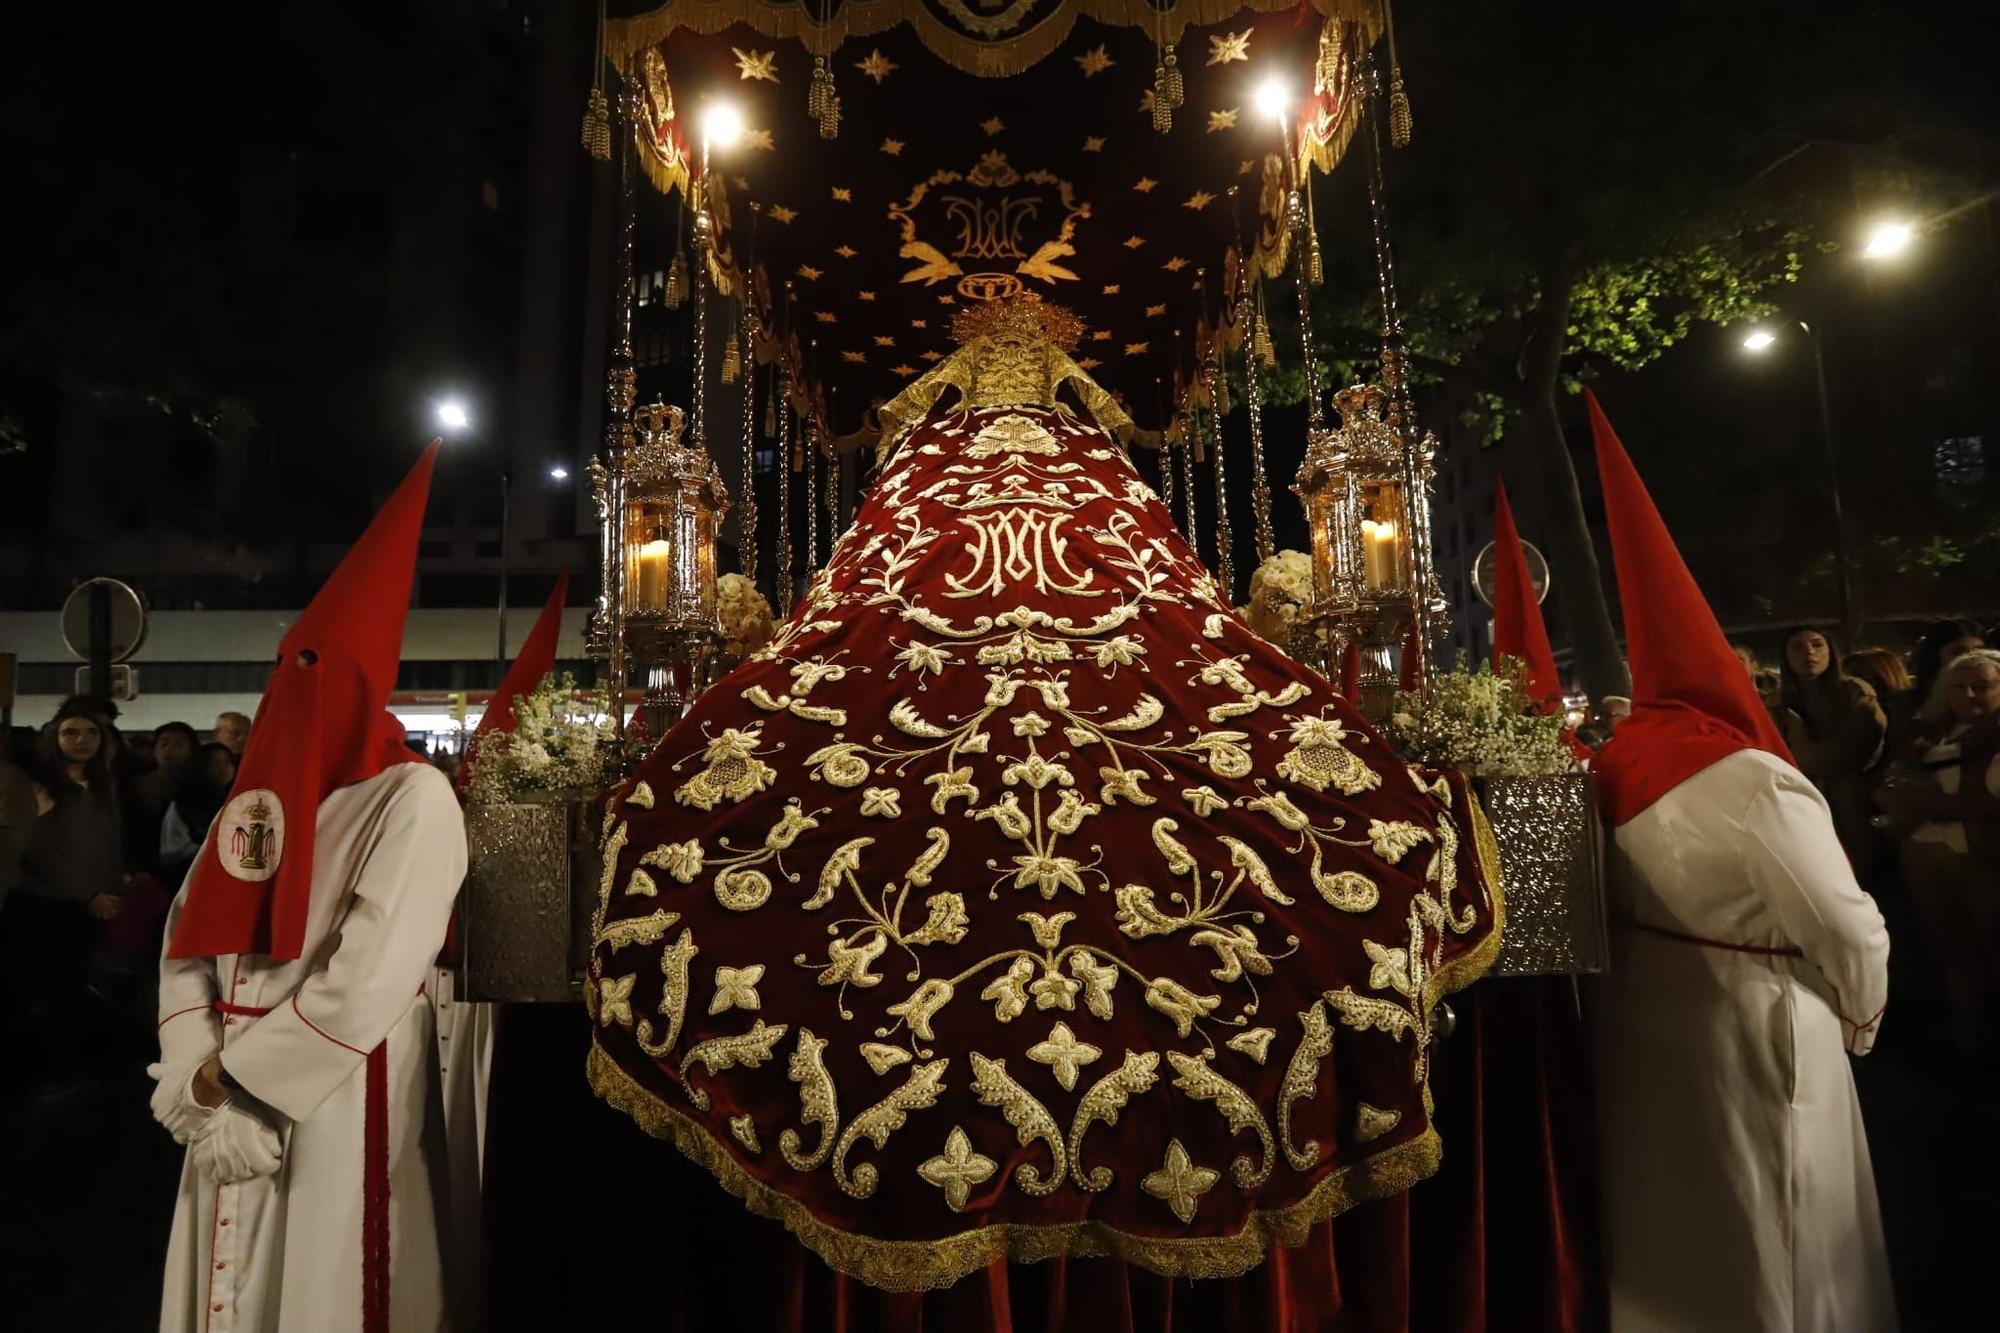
pixel 863 18
pixel 917 1265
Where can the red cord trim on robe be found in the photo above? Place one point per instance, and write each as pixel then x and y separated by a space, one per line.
pixel 322 1031
pixel 241 1010
pixel 193 1008
pixel 375 1196
pixel 1762 950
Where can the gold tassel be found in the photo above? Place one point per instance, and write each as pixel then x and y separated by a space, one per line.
pixel 1163 110
pixel 1261 345
pixel 732 362
pixel 1315 273
pixel 822 102
pixel 597 126
pixel 771 416
pixel 676 293
pixel 1399 111
pixel 1172 88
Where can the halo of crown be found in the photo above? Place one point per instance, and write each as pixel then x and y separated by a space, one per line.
pixel 1022 315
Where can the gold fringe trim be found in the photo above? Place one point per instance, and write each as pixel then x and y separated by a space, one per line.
pixel 863 18
pixel 918 1265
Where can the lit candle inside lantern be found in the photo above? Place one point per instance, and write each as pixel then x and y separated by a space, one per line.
pixel 1378 554
pixel 652 575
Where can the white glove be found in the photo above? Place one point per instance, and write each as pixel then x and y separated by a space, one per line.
pixel 236 1145
pixel 174 1105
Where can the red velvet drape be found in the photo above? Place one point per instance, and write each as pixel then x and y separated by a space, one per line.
pixel 588 1220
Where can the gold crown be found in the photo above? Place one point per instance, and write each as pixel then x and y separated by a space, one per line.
pixel 257 812
pixel 1023 315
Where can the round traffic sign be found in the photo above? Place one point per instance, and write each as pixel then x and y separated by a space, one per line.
pixel 1482 572
pixel 127 619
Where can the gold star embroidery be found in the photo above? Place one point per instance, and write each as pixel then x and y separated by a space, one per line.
pixel 1100 335
pixel 856 358
pixel 1155 311
pixel 884 340
pixel 1199 200
pixel 1134 242
pixel 759 139
pixel 809 273
pixel 740 182
pixel 1222 120
pixel 614 1000
pixel 904 369
pixel 1245 167
pixel 957 1169
pixel 932 356
pixel 1094 62
pixel 842 195
pixel 1090 363
pixel 1094 144
pixel 893 147
pixel 1144 185
pixel 1112 288
pixel 1224 47
pixel 865 296
pixel 756 65
pixel 1063 1053
pixel 779 213
pixel 1135 349
pixel 1145 101
pixel 1174 265
pixel 1180 1183
pixel 992 125
pixel 877 66
pixel 947 300
pixel 920 323
pixel 736 988
pixel 845 251
pixel 825 317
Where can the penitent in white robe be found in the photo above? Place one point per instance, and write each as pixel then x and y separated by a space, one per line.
pixel 284 1252
pixel 1738 1193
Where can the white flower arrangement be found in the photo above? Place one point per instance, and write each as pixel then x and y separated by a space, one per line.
pixel 1480 722
pixel 747 623
pixel 563 741
pixel 1280 590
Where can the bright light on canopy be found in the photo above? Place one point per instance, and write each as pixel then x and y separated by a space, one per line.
pixel 1758 339
pixel 721 124
pixel 1888 239
pixel 1272 98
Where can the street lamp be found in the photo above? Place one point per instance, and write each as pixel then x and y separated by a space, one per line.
pixel 451 414
pixel 1887 239
pixel 1760 340
pixel 558 473
pixel 1271 98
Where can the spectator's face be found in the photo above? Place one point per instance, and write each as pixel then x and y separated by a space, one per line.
pixel 1974 692
pixel 231 731
pixel 1809 653
pixel 1747 658
pixel 221 768
pixel 172 749
pixel 79 739
pixel 1959 648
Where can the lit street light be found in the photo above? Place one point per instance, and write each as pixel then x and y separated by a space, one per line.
pixel 558 473
pixel 1761 340
pixel 451 414
pixel 1888 239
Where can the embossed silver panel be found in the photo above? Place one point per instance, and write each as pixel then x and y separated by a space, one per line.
pixel 529 888
pixel 1552 857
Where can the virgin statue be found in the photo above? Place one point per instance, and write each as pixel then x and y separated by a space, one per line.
pixel 1018 903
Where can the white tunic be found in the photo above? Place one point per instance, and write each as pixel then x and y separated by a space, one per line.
pixel 1738 1193
pixel 284 1252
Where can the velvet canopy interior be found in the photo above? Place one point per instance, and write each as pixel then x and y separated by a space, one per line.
pixel 984 148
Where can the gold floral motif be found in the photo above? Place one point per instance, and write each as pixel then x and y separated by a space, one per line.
pixel 674 963
pixel 1256 1043
pixel 637 930
pixel 1319 758
pixel 1064 1054
pixel 682 860
pixel 733 770
pixel 1302 1082
pixel 1200 1081
pixel 1179 1182
pixel 881 1120
pixel 819 1103
pixel 1372 1122
pixel 743 1128
pixel 1106 1098
pixel 641 796
pixel 736 988
pixel 957 1169
pixel 614 1000
pixel 749 1049
pixel 1030 1119
pixel 882 1057
pixel 641 885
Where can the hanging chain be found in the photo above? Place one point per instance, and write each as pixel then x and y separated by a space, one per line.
pixel 781 377
pixel 809 439
pixel 1187 483
pixel 1225 531
pixel 1248 328
pixel 748 500
pixel 701 280
pixel 1167 478
pixel 1301 268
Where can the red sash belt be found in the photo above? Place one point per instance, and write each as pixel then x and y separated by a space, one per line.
pixel 239 1010
pixel 1761 950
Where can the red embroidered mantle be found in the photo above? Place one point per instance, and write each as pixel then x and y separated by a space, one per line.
pixel 1017 900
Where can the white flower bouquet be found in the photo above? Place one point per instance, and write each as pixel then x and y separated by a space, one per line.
pixel 745 613
pixel 1480 722
pixel 1280 590
pixel 563 743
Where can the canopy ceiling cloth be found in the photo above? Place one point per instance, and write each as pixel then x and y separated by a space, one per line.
pixel 943 188
pixel 1017 901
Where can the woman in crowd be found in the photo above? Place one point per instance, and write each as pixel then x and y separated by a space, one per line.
pixel 1947 798
pixel 204 787
pixel 1834 727
pixel 1941 642
pixel 71 873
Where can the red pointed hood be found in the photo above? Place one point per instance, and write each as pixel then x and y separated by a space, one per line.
pixel 1518 629
pixel 322 724
pixel 536 659
pixel 1693 704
